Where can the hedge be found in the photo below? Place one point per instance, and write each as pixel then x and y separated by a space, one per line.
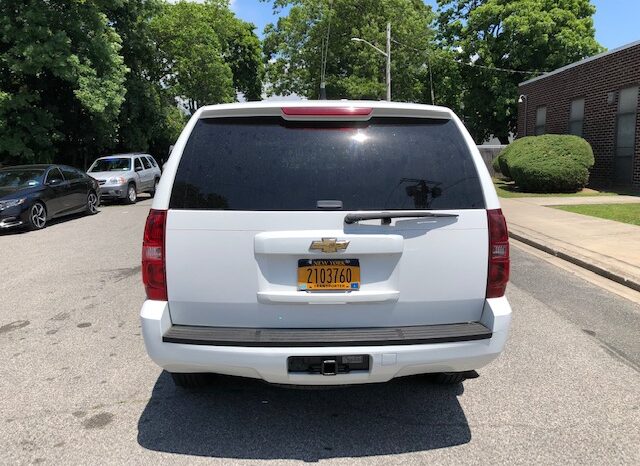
pixel 495 163
pixel 548 163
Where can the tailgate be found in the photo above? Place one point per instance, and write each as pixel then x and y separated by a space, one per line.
pixel 254 197
pixel 412 272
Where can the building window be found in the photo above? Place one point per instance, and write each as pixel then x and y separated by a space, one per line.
pixel 541 120
pixel 576 117
pixel 625 134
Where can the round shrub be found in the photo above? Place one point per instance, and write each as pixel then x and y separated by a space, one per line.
pixel 495 163
pixel 549 163
pixel 501 161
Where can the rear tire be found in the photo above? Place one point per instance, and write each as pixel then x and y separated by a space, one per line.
pixel 132 194
pixel 453 378
pixel 190 380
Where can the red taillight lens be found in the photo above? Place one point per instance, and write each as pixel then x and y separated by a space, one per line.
pixel 153 265
pixel 498 273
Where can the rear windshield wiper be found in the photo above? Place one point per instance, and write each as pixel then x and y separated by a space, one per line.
pixel 387 216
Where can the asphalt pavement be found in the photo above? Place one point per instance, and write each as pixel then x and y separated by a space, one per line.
pixel 77 387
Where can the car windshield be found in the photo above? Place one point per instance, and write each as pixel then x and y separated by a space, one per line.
pixel 115 164
pixel 20 178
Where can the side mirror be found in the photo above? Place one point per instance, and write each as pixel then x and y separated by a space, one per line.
pixel 54 182
pixel 138 169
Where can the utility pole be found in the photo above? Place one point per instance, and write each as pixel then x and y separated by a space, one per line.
pixel 389 62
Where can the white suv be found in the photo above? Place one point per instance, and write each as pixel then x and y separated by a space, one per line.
pixel 322 243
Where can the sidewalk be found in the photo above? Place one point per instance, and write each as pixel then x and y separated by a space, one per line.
pixel 608 248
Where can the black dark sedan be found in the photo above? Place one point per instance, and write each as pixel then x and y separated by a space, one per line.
pixel 31 195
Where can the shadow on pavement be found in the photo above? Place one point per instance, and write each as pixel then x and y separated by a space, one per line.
pixel 50 223
pixel 248 419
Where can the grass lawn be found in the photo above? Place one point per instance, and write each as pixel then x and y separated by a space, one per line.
pixel 509 189
pixel 627 213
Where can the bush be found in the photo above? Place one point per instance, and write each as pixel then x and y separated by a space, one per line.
pixel 548 163
pixel 495 163
pixel 502 161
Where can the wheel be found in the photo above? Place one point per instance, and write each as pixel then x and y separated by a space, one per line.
pixel 190 380
pixel 132 194
pixel 37 216
pixel 92 203
pixel 155 187
pixel 452 378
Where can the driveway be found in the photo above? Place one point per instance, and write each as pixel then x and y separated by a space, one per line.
pixel 78 388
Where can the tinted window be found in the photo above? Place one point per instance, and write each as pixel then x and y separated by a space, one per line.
pixel 541 120
pixel 53 175
pixel 576 117
pixel 70 173
pixel 625 134
pixel 267 164
pixel 112 164
pixel 18 178
pixel 153 161
pixel 146 163
pixel 138 165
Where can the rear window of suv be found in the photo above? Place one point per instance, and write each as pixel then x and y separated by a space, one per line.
pixel 268 163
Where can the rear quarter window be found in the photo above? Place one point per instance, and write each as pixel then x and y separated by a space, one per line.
pixel 269 164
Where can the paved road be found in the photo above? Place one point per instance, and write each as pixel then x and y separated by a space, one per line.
pixel 77 387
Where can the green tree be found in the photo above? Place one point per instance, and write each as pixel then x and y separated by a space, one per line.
pixel 61 87
pixel 243 52
pixel 149 119
pixel 526 35
pixel 294 48
pixel 207 55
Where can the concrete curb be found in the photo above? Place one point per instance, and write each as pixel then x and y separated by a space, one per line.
pixel 634 285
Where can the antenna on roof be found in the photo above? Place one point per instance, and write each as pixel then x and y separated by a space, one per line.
pixel 324 49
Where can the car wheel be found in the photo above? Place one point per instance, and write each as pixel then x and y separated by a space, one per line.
pixel 132 194
pixel 37 216
pixel 155 187
pixel 191 380
pixel 92 203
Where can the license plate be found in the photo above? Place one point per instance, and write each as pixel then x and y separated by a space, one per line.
pixel 328 274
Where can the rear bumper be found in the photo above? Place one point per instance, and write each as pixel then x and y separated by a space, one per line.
pixel 270 363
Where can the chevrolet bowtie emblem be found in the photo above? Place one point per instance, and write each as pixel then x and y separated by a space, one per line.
pixel 329 245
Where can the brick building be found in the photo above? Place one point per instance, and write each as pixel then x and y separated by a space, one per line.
pixel 596 98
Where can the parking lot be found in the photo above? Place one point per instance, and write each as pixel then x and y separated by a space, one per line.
pixel 78 387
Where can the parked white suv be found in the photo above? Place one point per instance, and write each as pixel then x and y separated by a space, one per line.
pixel 321 243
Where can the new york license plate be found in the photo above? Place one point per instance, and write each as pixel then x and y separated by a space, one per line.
pixel 328 274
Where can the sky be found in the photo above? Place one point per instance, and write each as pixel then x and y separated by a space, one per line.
pixel 616 21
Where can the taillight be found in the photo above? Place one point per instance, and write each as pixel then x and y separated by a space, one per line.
pixel 153 259
pixel 498 275
pixel 327 111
